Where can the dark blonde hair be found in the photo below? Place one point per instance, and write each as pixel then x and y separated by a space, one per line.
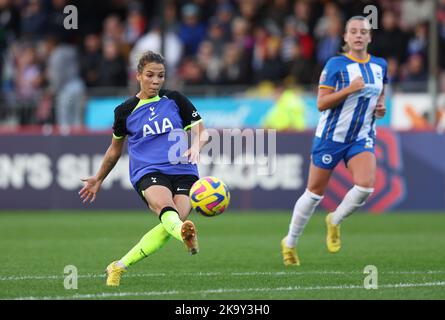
pixel 149 57
pixel 346 48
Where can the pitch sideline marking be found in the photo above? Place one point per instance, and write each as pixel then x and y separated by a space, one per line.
pixel 222 290
pixel 161 274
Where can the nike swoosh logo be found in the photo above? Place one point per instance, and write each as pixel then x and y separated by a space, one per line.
pixel 179 189
pixel 151 119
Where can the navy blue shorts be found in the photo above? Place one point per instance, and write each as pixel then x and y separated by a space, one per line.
pixel 177 183
pixel 326 154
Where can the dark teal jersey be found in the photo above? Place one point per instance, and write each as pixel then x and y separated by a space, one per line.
pixel 156 130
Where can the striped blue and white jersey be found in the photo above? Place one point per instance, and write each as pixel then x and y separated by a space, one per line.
pixel 353 119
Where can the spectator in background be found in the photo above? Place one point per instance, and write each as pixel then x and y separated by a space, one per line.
pixel 389 40
pixel 56 17
pixel 330 12
pixel 28 81
pixel 277 11
pixel 415 77
pixel 224 15
pixel 241 35
pixel 170 17
pixel 393 70
pixel 298 69
pixel 272 68
pixel 289 39
pixel 33 20
pixel 209 62
pixel 191 72
pixel 114 30
pixel 135 24
pixel 418 43
pixel 191 31
pixel 261 37
pixel 415 12
pixel 91 59
pixel 233 69
pixel 330 44
pixel 302 16
pixel 66 85
pixel 249 10
pixel 113 70
pixel 9 24
pixel 393 6
pixel 216 36
pixel 152 41
pixel 206 8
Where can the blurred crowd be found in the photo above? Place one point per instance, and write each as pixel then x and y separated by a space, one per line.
pixel 47 70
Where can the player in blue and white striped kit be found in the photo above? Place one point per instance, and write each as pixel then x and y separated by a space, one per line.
pixel 350 98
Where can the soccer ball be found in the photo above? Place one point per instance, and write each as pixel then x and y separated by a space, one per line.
pixel 209 196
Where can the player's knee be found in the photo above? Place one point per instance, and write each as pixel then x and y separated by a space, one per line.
pixel 363 193
pixel 159 204
pixel 317 189
pixel 365 182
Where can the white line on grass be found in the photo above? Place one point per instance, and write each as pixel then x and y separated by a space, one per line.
pixel 211 274
pixel 224 290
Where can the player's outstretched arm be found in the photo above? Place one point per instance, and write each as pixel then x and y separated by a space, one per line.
pixel 92 184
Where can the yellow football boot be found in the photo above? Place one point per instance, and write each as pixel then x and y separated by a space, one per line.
pixel 290 257
pixel 114 273
pixel 188 234
pixel 333 235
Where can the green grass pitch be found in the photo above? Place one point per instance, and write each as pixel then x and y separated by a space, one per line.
pixel 239 257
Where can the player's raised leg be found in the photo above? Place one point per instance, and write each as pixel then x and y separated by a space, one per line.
pixel 160 200
pixel 188 232
pixel 363 168
pixel 303 210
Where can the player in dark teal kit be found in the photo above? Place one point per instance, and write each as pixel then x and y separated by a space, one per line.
pixel 155 122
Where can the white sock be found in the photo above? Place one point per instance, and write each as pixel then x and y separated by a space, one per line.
pixel 303 210
pixel 355 198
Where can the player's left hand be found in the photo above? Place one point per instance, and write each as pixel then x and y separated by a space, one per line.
pixel 380 111
pixel 192 154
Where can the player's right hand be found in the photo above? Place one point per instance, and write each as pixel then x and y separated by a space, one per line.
pixel 91 187
pixel 357 84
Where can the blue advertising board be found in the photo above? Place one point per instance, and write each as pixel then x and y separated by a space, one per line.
pixel 218 112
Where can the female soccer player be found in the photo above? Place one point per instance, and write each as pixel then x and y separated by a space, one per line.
pixel 153 120
pixel 350 97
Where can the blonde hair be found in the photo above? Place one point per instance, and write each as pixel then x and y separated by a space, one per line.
pixel 346 47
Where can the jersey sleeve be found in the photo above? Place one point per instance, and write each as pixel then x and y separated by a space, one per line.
pixel 121 114
pixel 329 75
pixel 187 110
pixel 120 123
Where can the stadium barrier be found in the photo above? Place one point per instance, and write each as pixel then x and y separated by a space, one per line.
pixel 43 172
pixel 227 111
